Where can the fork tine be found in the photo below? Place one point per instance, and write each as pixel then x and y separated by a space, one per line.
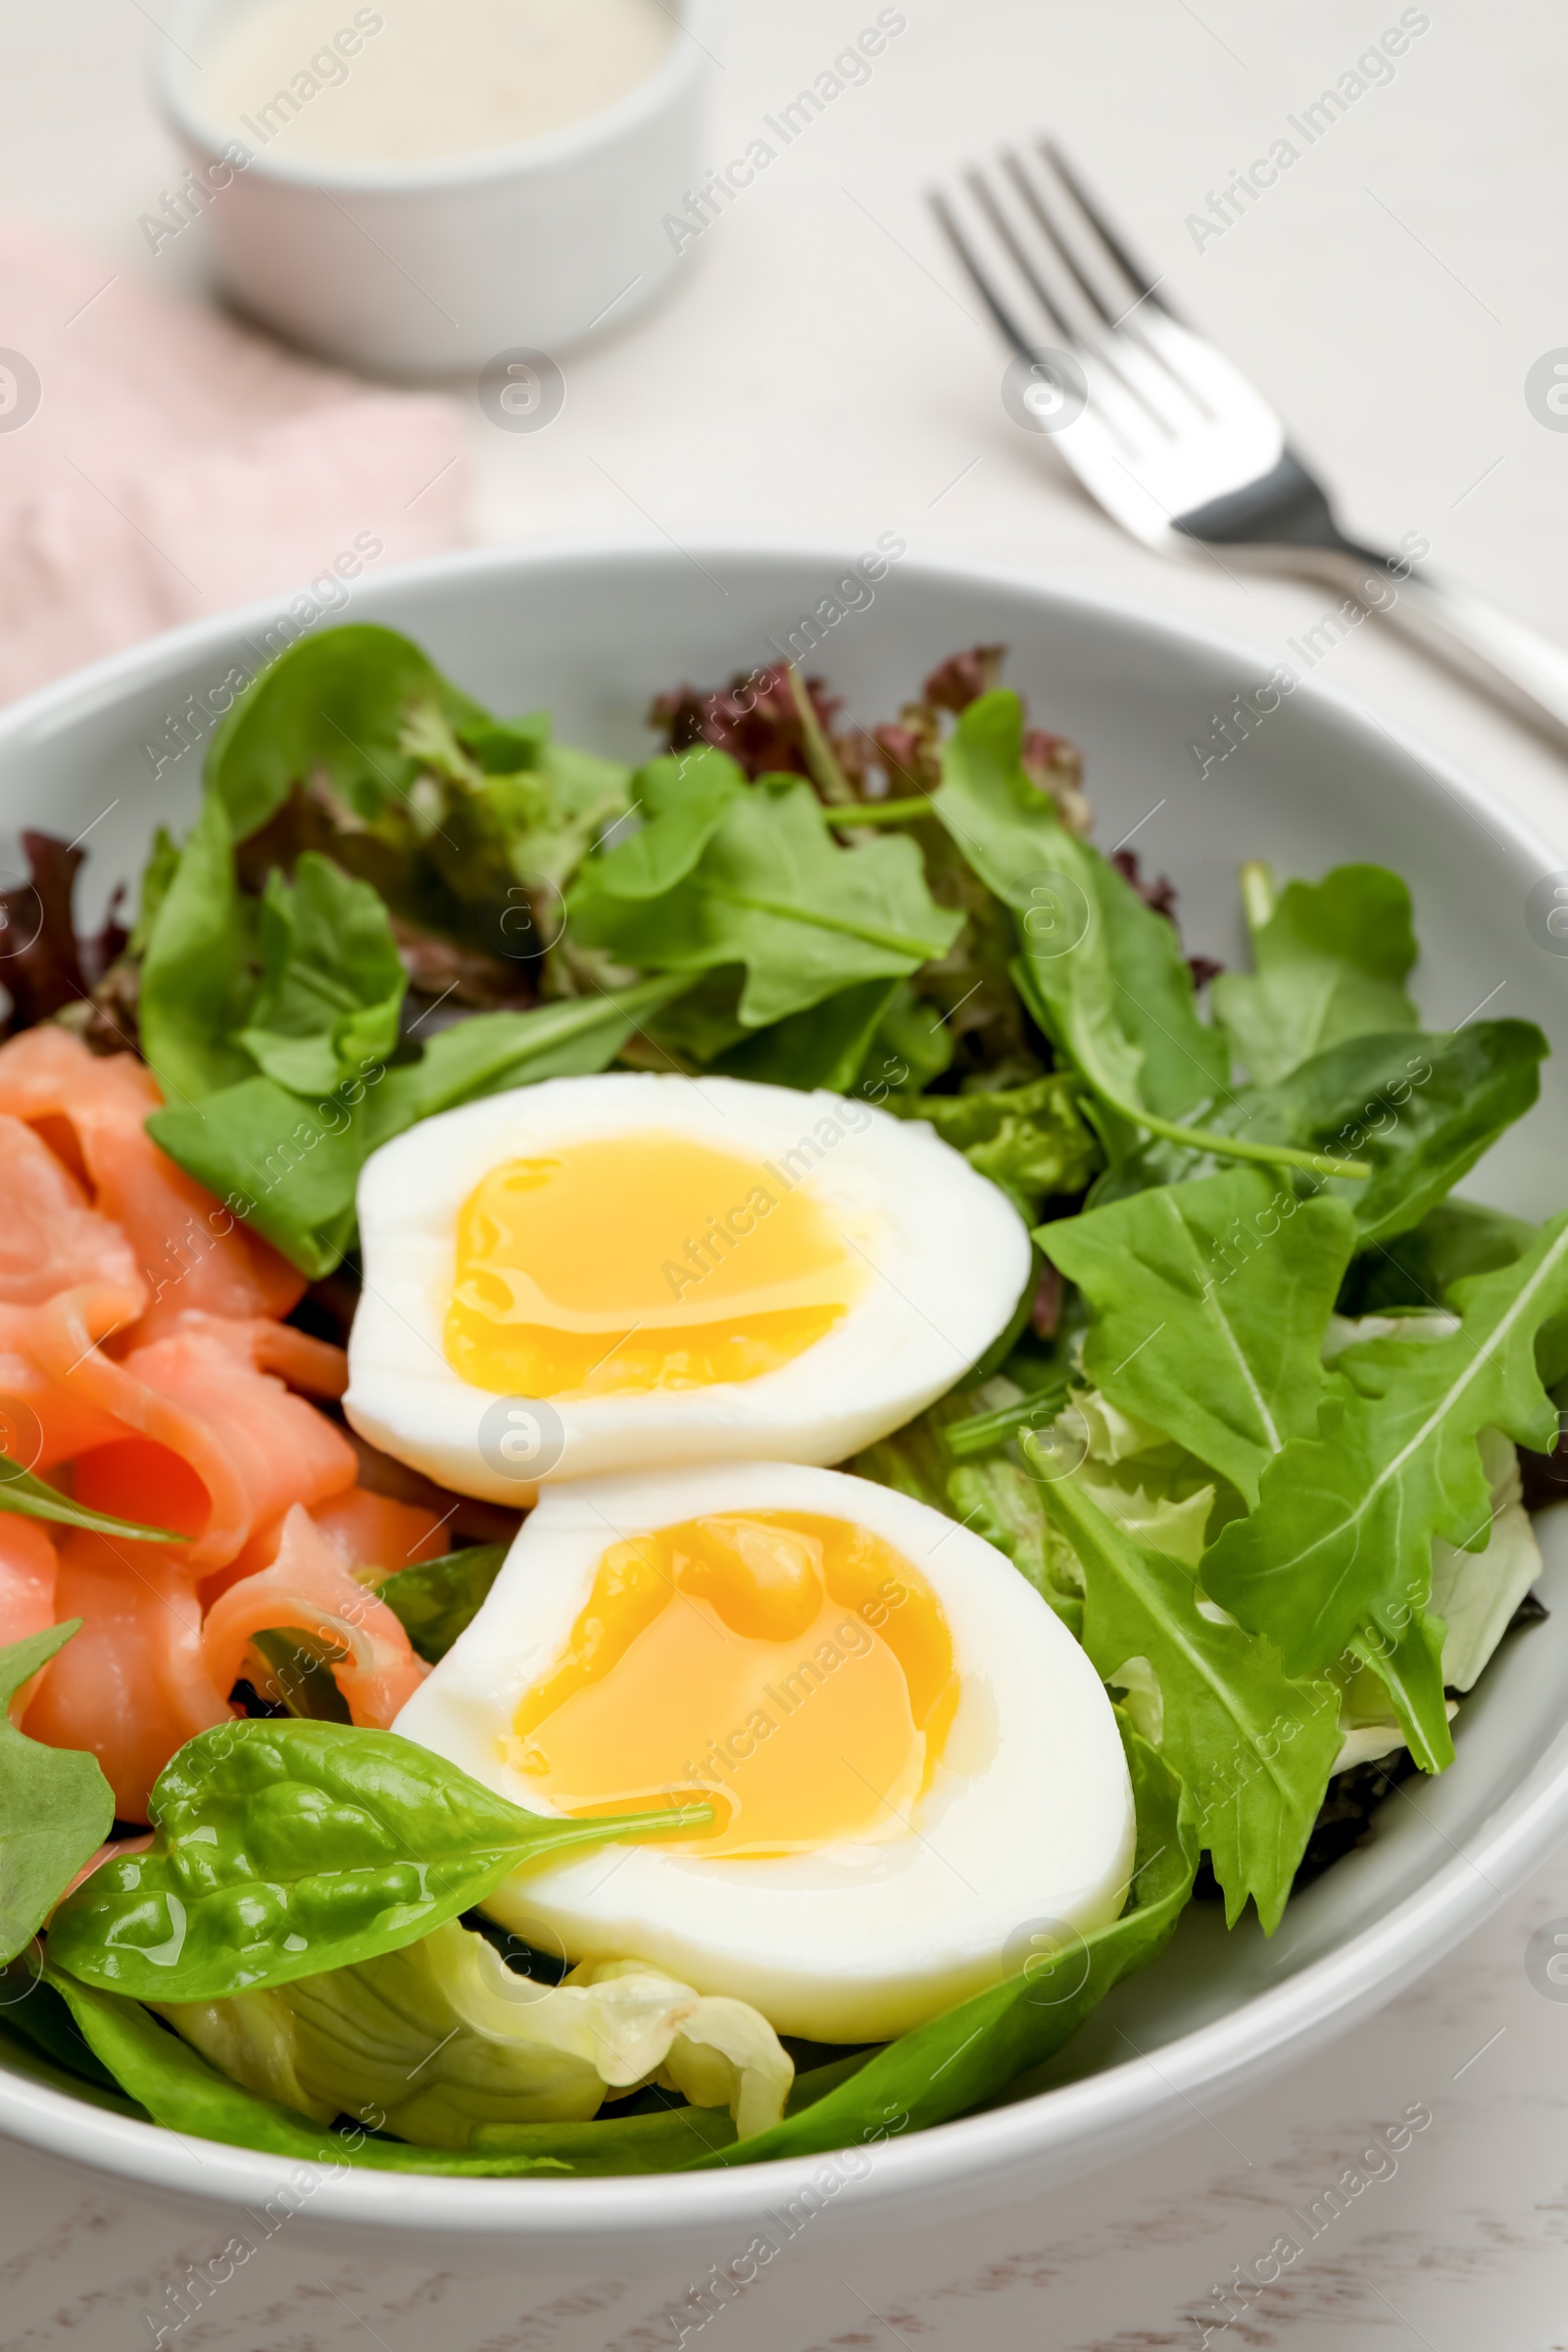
pixel 1011 331
pixel 1055 240
pixel 980 190
pixel 1136 277
pixel 1103 349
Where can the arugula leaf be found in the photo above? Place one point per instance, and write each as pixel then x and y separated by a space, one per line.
pixel 283 1848
pixel 1418 1109
pixel 35 1498
pixel 1211 1309
pixel 195 978
pixel 769 888
pixel 1338 1549
pixel 825 1046
pixel 1107 972
pixel 335 704
pixel 436 1601
pixel 1419 1267
pixel 683 799
pixel 1103 974
pixel 1253 1748
pixel 290 1166
pixel 1331 960
pixel 331 987
pixel 973 2052
pixel 56 1807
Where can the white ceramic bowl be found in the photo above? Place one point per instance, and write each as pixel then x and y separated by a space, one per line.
pixel 594 632
pixel 436 267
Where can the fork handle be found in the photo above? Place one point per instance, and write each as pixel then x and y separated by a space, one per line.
pixel 1514 663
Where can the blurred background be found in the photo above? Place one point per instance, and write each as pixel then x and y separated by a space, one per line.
pixel 817 369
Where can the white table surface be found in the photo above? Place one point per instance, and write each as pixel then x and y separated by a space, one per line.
pixel 817 374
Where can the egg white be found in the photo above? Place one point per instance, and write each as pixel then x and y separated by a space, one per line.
pixel 945 1258
pixel 1027 1817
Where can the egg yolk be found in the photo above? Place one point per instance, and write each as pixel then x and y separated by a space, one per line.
pixel 640 1262
pixel 793 1673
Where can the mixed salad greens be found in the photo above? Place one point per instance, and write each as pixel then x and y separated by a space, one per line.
pixel 1253 1432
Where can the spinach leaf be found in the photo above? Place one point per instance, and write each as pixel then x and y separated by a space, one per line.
pixel 1211 1309
pixel 34 2013
pixel 35 1498
pixel 283 1848
pixel 195 976
pixel 1339 1549
pixel 436 1601
pixel 1253 1748
pixel 1331 960
pixel 335 704
pixel 300 1667
pixel 56 1808
pixel 972 2053
pixel 771 889
pixel 331 987
pixel 290 1168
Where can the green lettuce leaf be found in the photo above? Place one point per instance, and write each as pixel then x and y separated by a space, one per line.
pixel 1211 1309
pixel 1253 1748
pixel 1331 960
pixel 455 2051
pixel 973 2052
pixel 335 705
pixel 56 1807
pixel 1338 1549
pixel 196 981
pixel 181 2092
pixel 762 882
pixel 331 988
pixel 1031 1139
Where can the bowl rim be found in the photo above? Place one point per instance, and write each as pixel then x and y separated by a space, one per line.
pixel 972 2159
pixel 175 70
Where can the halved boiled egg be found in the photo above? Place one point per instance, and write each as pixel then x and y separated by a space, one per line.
pixel 912 1765
pixel 594 1274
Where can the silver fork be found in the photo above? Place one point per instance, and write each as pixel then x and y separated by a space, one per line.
pixel 1171 438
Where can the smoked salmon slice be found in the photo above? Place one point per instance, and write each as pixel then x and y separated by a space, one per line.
pixel 309 1586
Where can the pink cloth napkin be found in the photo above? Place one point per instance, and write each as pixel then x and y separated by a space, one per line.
pixel 178 464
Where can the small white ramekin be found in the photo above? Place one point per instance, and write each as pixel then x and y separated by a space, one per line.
pixel 438 267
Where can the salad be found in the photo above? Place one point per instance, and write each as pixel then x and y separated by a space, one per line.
pixel 684 1446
